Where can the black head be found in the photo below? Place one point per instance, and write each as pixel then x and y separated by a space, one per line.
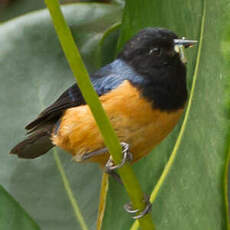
pixel 150 48
pixel 156 54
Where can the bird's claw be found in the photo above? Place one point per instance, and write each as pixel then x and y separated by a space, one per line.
pixel 128 208
pixel 127 156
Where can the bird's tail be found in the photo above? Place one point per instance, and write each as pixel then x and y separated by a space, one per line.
pixel 36 144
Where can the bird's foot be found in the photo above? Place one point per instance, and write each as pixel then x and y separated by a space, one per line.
pixel 98 152
pixel 110 167
pixel 148 206
pixel 127 156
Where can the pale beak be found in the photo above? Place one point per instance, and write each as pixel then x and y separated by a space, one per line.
pixel 180 44
pixel 185 43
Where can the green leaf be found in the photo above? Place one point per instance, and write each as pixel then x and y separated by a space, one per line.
pixel 19 7
pixel 12 215
pixel 108 44
pixel 122 2
pixel 33 73
pixel 191 194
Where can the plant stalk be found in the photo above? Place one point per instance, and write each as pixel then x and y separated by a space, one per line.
pixel 110 138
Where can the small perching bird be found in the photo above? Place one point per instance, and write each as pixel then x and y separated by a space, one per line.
pixel 143 92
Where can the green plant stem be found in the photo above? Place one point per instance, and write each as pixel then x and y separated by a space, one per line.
pixel 111 140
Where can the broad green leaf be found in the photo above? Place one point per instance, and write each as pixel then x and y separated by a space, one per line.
pixel 108 44
pixel 12 215
pixel 191 195
pixel 33 73
pixel 225 48
pixel 122 2
pixel 19 7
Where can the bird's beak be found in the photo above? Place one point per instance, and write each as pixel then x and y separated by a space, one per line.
pixel 185 43
pixel 180 44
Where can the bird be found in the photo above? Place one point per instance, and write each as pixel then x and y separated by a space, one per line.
pixel 143 92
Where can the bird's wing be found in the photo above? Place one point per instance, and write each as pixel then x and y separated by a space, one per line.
pixel 103 81
pixel 70 98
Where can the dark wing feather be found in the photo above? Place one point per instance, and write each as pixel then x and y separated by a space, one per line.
pixel 70 98
pixel 104 80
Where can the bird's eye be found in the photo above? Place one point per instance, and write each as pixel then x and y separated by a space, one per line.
pixel 155 51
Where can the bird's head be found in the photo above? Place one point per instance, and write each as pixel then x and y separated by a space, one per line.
pixel 154 48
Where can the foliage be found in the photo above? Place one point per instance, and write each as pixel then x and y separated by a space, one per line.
pixel 191 196
pixel 31 64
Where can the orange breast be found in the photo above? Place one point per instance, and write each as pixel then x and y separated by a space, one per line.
pixel 132 117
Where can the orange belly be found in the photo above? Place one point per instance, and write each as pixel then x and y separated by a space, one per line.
pixel 132 117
